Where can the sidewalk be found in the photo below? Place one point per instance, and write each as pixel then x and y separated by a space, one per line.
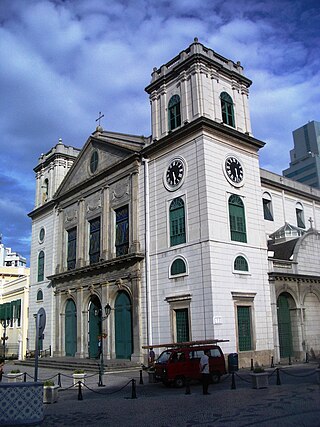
pixel 293 403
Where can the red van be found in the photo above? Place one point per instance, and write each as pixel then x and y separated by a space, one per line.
pixel 176 364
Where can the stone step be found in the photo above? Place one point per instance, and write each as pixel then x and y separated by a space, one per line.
pixel 72 363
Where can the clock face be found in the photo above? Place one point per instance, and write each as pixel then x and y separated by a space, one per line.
pixel 175 174
pixel 234 170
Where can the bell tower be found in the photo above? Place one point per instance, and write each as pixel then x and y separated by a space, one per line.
pixel 51 169
pixel 198 83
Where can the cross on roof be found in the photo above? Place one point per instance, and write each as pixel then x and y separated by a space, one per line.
pixel 311 221
pixel 100 117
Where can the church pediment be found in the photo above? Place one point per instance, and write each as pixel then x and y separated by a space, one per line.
pixel 101 152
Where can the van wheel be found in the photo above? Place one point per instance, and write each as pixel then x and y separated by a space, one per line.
pixel 215 377
pixel 179 382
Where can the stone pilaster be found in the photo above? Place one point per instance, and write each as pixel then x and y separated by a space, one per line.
pixel 105 225
pixel 81 235
pixel 134 237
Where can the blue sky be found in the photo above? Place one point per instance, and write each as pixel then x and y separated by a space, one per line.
pixel 63 61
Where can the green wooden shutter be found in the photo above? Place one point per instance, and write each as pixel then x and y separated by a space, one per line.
pixel 72 248
pixel 240 264
pixel 41 266
pixel 227 109
pixel 177 222
pixel 178 267
pixel 174 114
pixel 122 231
pixel 94 249
pixel 237 219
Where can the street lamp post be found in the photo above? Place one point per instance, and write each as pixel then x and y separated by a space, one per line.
pixel 107 310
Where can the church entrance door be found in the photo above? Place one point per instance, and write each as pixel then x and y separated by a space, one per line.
pixel 94 327
pixel 284 325
pixel 71 328
pixel 123 326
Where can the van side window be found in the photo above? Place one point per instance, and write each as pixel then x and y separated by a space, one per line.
pixel 215 352
pixel 196 354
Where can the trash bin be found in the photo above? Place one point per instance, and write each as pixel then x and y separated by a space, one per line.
pixel 233 363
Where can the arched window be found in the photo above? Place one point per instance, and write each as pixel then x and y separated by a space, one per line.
pixel 237 219
pixel 174 115
pixel 41 266
pixel 227 109
pixel 45 190
pixel 240 264
pixel 177 222
pixel 178 267
pixel 39 295
pixel 267 207
pixel 300 216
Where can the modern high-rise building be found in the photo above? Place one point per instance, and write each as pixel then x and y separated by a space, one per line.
pixel 305 161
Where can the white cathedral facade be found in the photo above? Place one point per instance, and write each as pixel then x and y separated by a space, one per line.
pixel 178 236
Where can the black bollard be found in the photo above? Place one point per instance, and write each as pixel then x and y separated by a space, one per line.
pixel 307 357
pixel 233 382
pixel 272 364
pixel 133 389
pixel 290 363
pixel 25 377
pixel 59 380
pixel 141 379
pixel 188 386
pixel 251 368
pixel 278 377
pixel 79 391
pixel 100 383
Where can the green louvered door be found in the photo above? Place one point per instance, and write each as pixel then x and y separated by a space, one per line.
pixel 123 325
pixel 284 327
pixel 94 330
pixel 244 328
pixel 71 329
pixel 182 325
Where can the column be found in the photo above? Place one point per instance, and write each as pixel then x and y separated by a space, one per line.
pixel 136 326
pixel 105 250
pixel 184 98
pixel 163 112
pixel 59 329
pixel 81 235
pixel 245 101
pixel 155 119
pixel 60 240
pixel 134 234
pixel 82 325
pixel 195 92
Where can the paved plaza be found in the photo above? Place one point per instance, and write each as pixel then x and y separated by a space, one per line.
pixel 296 402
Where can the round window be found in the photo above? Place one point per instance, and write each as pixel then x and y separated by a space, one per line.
pixel 41 235
pixel 94 162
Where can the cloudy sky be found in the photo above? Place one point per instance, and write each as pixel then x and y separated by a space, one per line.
pixel 63 61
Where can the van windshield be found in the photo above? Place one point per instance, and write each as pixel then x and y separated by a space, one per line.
pixel 164 357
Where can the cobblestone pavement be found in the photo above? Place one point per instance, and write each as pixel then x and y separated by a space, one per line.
pixel 296 402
